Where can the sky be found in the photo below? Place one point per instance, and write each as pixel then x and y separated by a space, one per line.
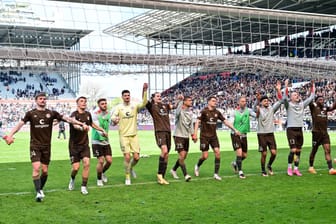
pixel 112 86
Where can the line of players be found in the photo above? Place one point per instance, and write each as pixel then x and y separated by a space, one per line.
pixel 125 116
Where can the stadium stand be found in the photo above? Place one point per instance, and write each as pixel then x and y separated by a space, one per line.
pixel 308 45
pixel 23 84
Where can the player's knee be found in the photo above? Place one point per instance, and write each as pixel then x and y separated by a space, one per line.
pixel 109 160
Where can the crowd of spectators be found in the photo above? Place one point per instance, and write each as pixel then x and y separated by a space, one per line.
pixel 228 87
pixel 17 85
pixel 311 45
pixel 11 112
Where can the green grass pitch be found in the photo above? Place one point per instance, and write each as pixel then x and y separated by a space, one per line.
pixel 257 199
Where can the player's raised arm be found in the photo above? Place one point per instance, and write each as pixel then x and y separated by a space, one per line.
pixel 144 96
pixel 256 104
pixel 278 90
pixel 311 97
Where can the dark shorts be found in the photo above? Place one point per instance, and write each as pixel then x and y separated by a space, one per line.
pixel 206 142
pixel 266 140
pixel 181 144
pixel 295 137
pixel 101 150
pixel 40 154
pixel 239 142
pixel 163 138
pixel 78 152
pixel 320 138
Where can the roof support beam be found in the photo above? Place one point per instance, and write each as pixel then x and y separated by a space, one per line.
pixel 215 9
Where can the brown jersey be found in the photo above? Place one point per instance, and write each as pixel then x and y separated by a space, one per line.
pixel 319 117
pixel 41 124
pixel 208 120
pixel 78 137
pixel 160 115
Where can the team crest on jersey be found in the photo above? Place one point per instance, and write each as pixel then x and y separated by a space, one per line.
pixel 88 118
pixel 216 115
pixel 48 115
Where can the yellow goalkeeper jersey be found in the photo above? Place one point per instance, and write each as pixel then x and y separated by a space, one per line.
pixel 128 114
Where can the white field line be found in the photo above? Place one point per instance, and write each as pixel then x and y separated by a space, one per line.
pixel 194 179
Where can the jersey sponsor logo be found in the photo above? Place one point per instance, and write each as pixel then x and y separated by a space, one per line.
pixel 163 112
pixel 41 124
pixel 128 115
pixel 212 121
pixel 323 114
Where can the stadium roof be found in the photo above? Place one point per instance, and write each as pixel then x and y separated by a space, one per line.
pixel 226 25
pixel 39 37
pixel 314 6
pixel 289 66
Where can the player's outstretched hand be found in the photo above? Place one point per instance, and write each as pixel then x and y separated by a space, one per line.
pixel 238 133
pixel 194 138
pixel 103 133
pixel 9 140
pixel 86 127
pixel 116 121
